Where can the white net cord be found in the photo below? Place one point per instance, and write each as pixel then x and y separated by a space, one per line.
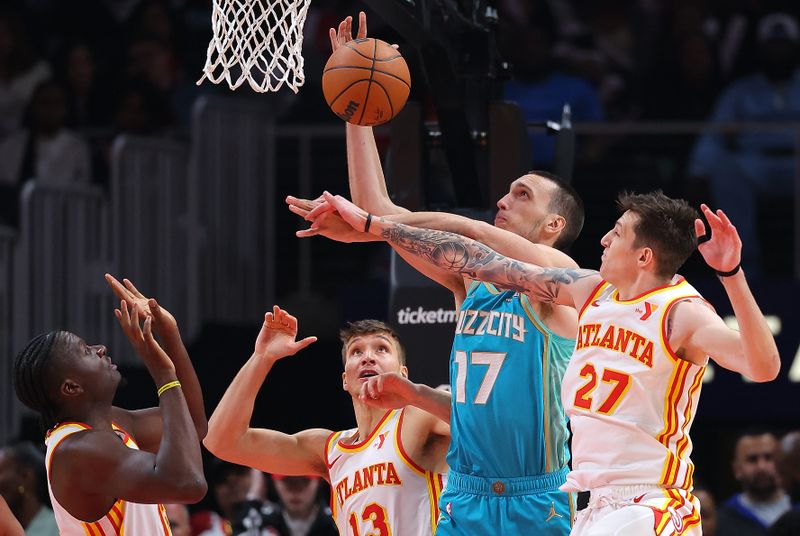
pixel 258 41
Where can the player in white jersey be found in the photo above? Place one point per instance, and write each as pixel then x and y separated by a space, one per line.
pixel 108 468
pixel 644 338
pixel 385 474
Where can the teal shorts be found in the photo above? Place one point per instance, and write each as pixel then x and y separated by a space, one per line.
pixel 474 506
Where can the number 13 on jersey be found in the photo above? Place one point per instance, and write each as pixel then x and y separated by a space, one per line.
pixel 376 514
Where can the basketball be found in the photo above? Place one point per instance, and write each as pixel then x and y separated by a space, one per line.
pixel 366 82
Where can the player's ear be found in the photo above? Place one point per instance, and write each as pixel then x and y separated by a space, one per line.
pixel 404 371
pixel 556 224
pixel 646 257
pixel 344 381
pixel 70 388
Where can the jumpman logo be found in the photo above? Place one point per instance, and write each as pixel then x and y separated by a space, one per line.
pixel 381 439
pixel 552 513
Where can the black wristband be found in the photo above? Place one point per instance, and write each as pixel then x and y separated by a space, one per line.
pixel 369 221
pixel 732 272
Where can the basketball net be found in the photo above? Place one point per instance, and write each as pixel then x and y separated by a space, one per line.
pixel 258 41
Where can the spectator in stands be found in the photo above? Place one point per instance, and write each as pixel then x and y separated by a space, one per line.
pixel 743 167
pixel 156 64
pixel 708 507
pixel 44 150
pixel 684 81
pixel 790 464
pixel 21 71
pixel 301 511
pixel 762 501
pixel 88 97
pixel 23 485
pixel 229 483
pixel 787 525
pixel 542 90
pixel 137 110
pixel 178 517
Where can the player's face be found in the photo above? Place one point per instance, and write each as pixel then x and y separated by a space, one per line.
pixel 88 365
pixel 367 356
pixel 524 209
pixel 754 465
pixel 298 494
pixel 178 518
pixel 618 262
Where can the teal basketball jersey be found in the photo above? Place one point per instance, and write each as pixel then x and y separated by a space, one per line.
pixel 506 366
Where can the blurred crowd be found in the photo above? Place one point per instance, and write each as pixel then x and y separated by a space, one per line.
pixel 73 75
pixel 246 502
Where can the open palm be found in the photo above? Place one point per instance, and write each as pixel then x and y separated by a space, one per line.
pixel 723 250
pixel 278 334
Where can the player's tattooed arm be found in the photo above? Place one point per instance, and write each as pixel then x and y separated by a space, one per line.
pixel 472 259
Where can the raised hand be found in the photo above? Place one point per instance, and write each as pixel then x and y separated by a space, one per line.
pixel 389 390
pixel 723 250
pixel 345 31
pixel 354 216
pixel 163 321
pixel 328 224
pixel 277 336
pixel 155 358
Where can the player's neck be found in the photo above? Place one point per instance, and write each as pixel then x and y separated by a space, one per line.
pixel 367 418
pixel 642 283
pixel 99 418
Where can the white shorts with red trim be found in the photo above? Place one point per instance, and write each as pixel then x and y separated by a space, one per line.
pixel 639 510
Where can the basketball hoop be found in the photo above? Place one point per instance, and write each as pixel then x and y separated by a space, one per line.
pixel 258 41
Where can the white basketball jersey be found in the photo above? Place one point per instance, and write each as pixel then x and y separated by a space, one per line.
pixel 124 518
pixel 376 489
pixel 629 398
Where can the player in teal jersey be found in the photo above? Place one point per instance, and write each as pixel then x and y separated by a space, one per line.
pixel 508 453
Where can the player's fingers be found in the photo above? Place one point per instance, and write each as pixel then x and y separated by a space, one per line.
pixel 700 230
pixel 332 35
pixel 374 387
pixel 148 329
pixel 155 308
pixel 305 342
pixel 319 209
pixel 362 25
pixel 724 218
pixel 268 317
pixel 131 287
pixel 305 233
pixel 135 314
pixel 119 290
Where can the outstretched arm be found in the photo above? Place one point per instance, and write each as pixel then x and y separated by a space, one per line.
pixel 97 463
pixel 365 174
pixel 457 254
pixel 146 425
pixel 751 350
pixel 230 436
pixel 394 391
pixel 9 526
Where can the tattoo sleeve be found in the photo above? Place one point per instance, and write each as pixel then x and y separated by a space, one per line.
pixel 465 256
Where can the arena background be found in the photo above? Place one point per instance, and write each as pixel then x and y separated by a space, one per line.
pixel 185 196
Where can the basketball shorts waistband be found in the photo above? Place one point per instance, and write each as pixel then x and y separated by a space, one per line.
pixel 616 493
pixel 498 486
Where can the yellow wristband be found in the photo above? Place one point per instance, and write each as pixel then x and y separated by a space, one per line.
pixel 168 386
